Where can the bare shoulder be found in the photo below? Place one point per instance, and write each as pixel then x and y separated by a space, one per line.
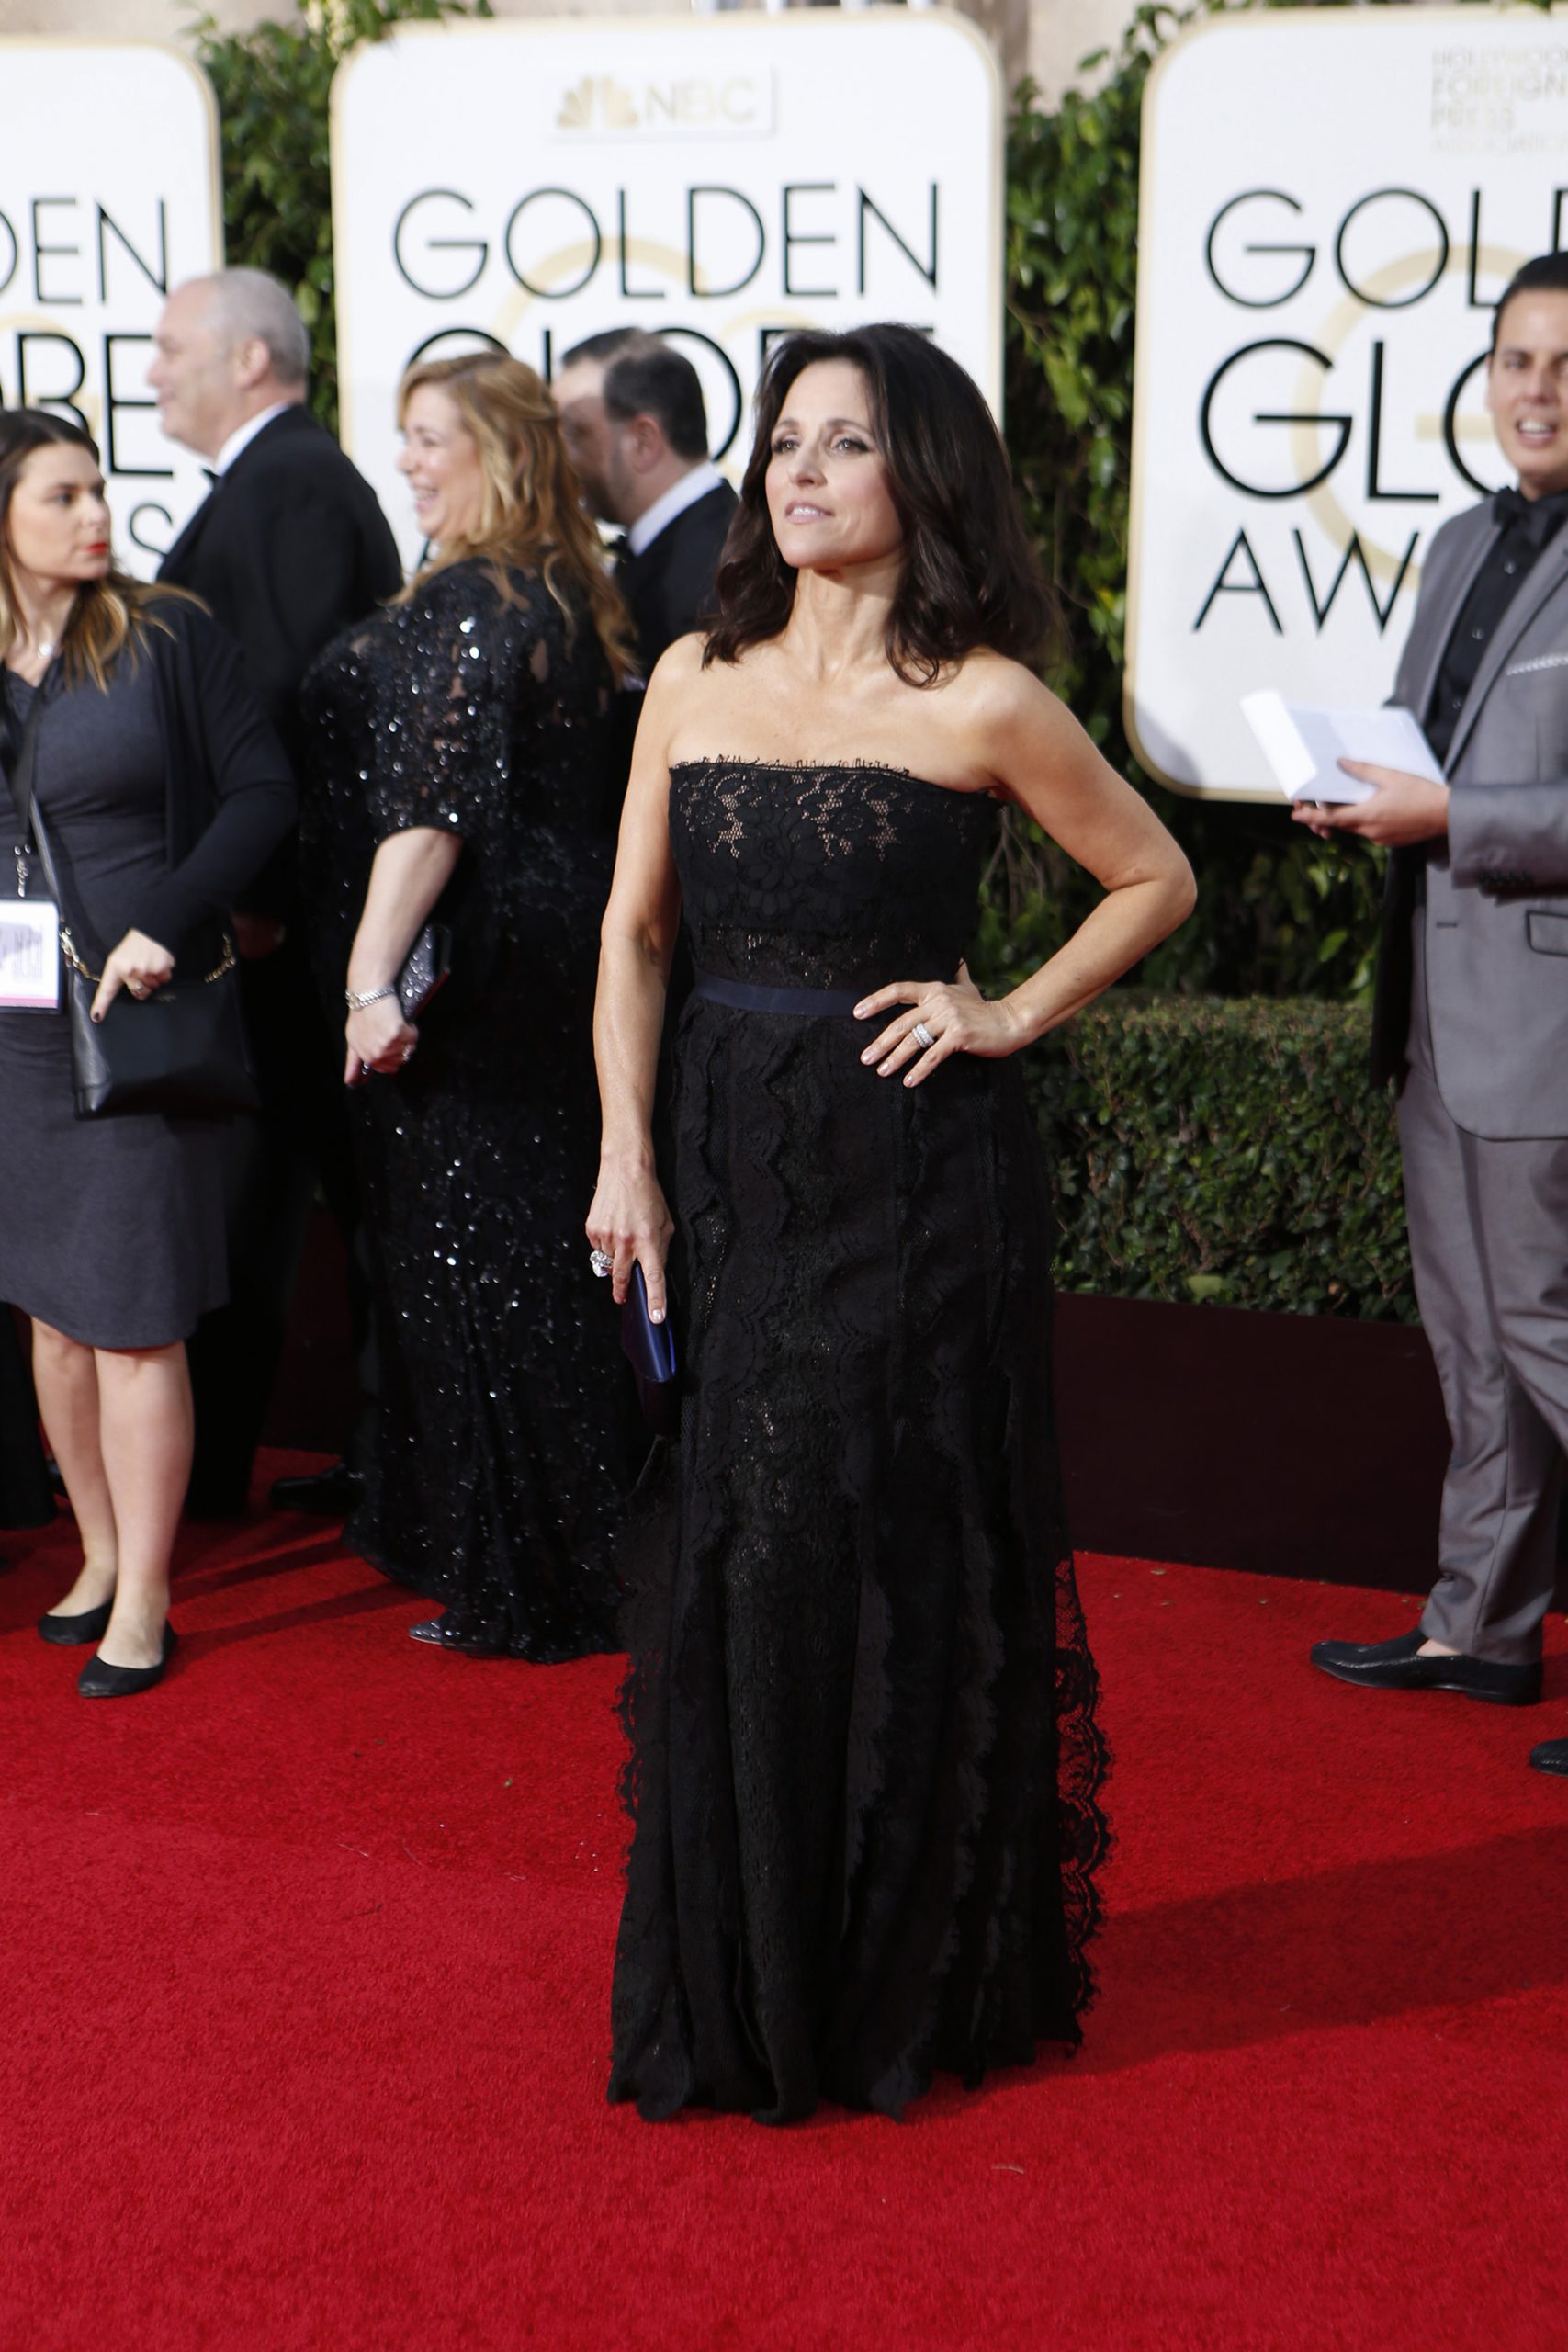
pixel 1001 708
pixel 679 664
pixel 676 677
pixel 990 685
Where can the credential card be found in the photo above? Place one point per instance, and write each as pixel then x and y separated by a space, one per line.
pixel 29 954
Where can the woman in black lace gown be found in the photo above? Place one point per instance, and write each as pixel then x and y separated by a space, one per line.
pixel 864 1763
pixel 463 766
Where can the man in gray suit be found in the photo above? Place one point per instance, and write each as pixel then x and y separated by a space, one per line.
pixel 1471 1020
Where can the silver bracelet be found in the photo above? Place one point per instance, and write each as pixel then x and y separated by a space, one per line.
pixel 371 996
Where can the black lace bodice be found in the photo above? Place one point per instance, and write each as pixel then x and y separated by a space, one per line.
pixel 811 876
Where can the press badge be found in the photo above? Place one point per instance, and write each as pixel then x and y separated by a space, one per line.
pixel 29 954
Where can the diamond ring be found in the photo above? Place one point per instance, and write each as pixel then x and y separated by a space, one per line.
pixel 600 1261
pixel 921 1035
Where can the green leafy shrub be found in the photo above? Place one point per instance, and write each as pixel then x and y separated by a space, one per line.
pixel 1208 1150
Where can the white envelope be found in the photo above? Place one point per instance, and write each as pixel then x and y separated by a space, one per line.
pixel 1303 743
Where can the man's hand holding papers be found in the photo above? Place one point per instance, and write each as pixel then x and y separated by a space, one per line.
pixel 1402 809
pixel 1395 796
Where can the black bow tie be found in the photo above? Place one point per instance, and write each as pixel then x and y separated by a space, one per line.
pixel 1538 517
pixel 619 550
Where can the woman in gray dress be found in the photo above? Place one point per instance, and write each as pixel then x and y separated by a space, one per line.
pixel 162 791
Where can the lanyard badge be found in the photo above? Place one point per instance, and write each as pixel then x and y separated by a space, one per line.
pixel 30 949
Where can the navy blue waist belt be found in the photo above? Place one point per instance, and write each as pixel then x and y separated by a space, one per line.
pixel 803 1001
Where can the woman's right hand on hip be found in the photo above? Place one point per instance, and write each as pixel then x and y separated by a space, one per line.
pixel 629 1224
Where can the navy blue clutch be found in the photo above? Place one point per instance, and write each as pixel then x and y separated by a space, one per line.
pixel 649 1348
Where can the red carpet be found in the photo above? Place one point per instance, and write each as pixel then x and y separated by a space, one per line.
pixel 305 1970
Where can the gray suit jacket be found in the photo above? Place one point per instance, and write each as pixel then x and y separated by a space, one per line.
pixel 1497 912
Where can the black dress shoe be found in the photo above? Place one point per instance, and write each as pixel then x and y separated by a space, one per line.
pixel 331 1494
pixel 446 1634
pixel 1396 1666
pixel 1551 1755
pixel 99 1680
pixel 87 1625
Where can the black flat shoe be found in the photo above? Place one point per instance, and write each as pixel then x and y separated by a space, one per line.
pixel 1396 1666
pixel 329 1493
pixel 443 1636
pixel 97 1680
pixel 1550 1755
pixel 87 1625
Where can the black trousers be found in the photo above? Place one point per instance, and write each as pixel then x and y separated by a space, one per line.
pixel 275 1163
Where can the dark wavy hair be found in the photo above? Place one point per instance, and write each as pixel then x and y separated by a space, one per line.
pixel 971 577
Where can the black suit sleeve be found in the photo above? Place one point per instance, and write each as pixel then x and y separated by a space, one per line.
pixel 246 775
pixel 295 578
pixel 296 550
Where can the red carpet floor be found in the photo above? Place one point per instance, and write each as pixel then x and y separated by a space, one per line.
pixel 304 1968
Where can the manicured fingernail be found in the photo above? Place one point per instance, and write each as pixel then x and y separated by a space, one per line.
pixel 656 1315
pixel 97 1016
pixel 861 1011
pixel 869 1055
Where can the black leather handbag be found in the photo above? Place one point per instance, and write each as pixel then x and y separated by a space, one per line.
pixel 180 1049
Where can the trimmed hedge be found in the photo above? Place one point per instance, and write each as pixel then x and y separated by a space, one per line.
pixel 1206 1148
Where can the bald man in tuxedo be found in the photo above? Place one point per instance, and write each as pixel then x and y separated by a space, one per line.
pixel 288 549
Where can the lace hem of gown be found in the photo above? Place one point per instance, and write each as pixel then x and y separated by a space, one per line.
pixel 1013 1972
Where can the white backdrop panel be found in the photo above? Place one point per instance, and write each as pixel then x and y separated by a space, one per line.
pixel 1331 201
pixel 724 178
pixel 109 198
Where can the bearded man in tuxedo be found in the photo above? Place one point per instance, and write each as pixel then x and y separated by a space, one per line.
pixel 1471 1020
pixel 636 432
pixel 289 548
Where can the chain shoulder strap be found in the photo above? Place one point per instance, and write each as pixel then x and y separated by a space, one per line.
pixel 229 956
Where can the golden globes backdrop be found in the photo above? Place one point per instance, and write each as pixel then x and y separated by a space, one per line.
pixel 722 179
pixel 108 196
pixel 1331 201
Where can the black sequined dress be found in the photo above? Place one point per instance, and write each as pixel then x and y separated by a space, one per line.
pixel 864 1761
pixel 508 1432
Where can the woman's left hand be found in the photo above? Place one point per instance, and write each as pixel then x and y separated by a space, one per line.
pixel 944 1018
pixel 380 1039
pixel 138 964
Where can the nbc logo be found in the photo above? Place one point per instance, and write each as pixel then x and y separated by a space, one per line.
pixel 597 103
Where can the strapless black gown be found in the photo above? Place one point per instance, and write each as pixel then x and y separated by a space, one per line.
pixel 864 1762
